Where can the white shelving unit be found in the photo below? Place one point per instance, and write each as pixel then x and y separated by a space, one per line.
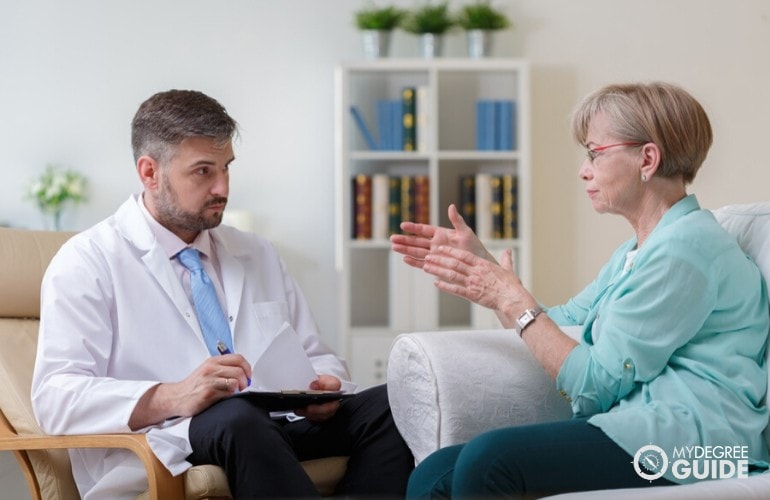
pixel 380 296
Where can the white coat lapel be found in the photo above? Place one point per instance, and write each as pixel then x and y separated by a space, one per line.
pixel 132 226
pixel 233 277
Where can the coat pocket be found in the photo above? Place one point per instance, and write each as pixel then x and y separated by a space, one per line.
pixel 270 316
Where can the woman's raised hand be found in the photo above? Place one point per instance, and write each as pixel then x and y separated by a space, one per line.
pixel 421 239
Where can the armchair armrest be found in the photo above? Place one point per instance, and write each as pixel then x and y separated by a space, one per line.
pixel 446 387
pixel 162 485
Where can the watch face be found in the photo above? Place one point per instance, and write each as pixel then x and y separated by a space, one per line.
pixel 526 318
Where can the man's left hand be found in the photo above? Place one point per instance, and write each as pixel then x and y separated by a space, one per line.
pixel 325 411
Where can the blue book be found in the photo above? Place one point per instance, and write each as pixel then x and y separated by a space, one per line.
pixel 363 128
pixel 486 125
pixel 505 131
pixel 481 124
pixel 397 122
pixel 383 124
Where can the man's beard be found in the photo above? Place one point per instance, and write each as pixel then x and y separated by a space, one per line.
pixel 171 216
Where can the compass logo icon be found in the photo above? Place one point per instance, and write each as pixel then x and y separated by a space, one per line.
pixel 650 462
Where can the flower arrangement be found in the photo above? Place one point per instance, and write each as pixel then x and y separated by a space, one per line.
pixel 54 188
pixel 482 16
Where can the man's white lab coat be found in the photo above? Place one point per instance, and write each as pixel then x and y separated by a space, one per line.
pixel 115 321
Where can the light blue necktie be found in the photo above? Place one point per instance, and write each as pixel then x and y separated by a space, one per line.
pixel 210 315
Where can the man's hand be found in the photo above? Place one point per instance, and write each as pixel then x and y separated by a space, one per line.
pixel 325 411
pixel 216 378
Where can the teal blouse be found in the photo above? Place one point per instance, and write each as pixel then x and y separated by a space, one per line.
pixel 673 344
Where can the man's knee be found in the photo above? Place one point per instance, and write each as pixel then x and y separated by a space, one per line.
pixel 232 419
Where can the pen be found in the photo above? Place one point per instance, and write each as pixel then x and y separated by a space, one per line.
pixel 222 348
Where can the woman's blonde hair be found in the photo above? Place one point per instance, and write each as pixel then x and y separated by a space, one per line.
pixel 656 112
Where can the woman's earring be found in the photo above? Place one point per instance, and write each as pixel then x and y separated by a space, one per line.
pixel 644 178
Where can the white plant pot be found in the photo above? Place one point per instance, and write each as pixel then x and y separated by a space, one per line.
pixel 376 43
pixel 479 43
pixel 430 45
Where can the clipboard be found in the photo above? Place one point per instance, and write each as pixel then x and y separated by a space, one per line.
pixel 292 399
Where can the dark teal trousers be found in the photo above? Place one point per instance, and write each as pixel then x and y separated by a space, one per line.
pixel 528 461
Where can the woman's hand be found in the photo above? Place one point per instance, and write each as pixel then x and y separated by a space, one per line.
pixel 424 238
pixel 480 280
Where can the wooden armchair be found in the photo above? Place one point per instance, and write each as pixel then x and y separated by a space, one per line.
pixel 24 256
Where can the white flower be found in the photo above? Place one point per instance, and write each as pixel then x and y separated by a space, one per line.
pixel 55 187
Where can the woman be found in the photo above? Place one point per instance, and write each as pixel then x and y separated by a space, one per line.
pixel 674 325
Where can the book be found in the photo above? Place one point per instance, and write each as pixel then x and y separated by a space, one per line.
pixel 363 128
pixel 496 182
pixel 396 124
pixel 408 119
pixel 510 207
pixel 422 199
pixel 407 198
pixel 383 113
pixel 481 125
pixel 505 133
pixel 380 206
pixel 484 229
pixel 467 197
pixel 486 120
pixel 423 118
pixel 362 207
pixel 394 202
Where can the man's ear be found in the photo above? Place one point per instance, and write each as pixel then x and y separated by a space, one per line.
pixel 149 172
pixel 650 159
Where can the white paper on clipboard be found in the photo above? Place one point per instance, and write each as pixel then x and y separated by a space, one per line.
pixel 284 365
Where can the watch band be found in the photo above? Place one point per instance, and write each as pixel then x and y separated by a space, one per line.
pixel 526 319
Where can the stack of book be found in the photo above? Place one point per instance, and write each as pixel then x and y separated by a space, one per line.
pixel 401 124
pixel 381 202
pixel 495 125
pixel 489 205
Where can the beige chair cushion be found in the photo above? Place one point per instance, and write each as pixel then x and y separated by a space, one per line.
pixel 24 256
pixel 209 481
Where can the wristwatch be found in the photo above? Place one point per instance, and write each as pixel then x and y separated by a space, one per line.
pixel 526 319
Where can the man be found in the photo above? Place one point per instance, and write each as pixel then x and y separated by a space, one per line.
pixel 126 345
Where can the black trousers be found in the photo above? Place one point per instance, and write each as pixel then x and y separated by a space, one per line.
pixel 261 456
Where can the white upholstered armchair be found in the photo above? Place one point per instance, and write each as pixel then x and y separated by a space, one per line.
pixel 447 387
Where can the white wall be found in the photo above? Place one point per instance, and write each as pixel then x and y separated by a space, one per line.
pixel 73 72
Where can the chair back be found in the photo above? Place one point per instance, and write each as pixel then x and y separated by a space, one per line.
pixel 24 257
pixel 750 224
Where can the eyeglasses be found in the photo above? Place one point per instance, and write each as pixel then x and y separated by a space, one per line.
pixel 594 153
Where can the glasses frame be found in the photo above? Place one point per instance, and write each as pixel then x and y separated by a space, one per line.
pixel 593 153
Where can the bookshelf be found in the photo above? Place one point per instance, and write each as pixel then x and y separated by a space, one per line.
pixel 380 296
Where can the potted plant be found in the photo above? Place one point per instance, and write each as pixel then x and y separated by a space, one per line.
pixel 479 20
pixel 54 189
pixel 376 25
pixel 430 22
